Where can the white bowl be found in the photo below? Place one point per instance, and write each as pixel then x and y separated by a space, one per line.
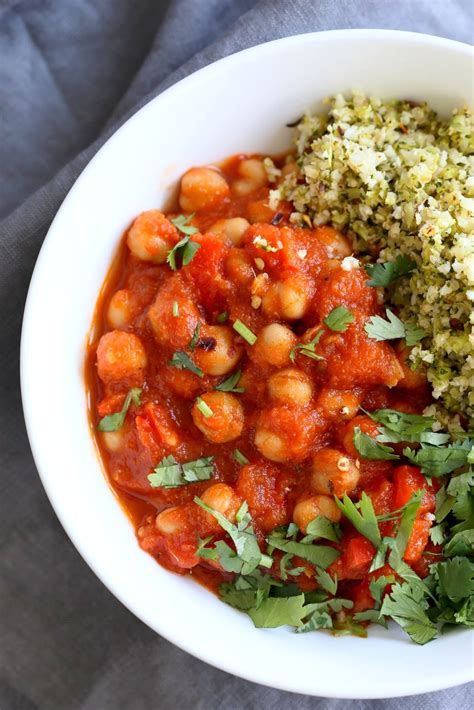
pixel 239 104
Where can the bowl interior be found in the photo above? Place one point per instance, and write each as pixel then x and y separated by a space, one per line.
pixel 240 104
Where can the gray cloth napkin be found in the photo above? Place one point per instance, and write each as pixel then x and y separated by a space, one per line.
pixel 70 73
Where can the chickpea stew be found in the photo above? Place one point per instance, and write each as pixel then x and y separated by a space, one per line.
pixel 258 418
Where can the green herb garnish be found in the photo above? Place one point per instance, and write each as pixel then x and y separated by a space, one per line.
pixel 245 332
pixel 307 349
pixel 171 474
pixel 185 248
pixel 369 448
pixel 114 422
pixel 392 329
pixel 240 458
pixel 339 319
pixel 384 274
pixel 362 516
pixel 182 361
pixel 195 339
pixel 204 408
pixel 229 384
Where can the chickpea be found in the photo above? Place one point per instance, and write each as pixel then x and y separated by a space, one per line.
pixel 230 230
pixel 151 237
pixel 285 299
pixel 307 510
pixel 271 445
pixel 411 378
pixel 171 330
pixel 121 356
pixel 287 433
pixel 337 245
pixel 169 521
pixel 339 404
pixel 201 188
pixel 290 385
pixel 216 353
pixel 253 176
pixel 113 440
pixel 221 498
pixel 123 307
pixel 239 266
pixel 334 473
pixel 274 344
pixel 226 421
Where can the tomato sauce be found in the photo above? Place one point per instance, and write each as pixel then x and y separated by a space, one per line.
pixel 300 388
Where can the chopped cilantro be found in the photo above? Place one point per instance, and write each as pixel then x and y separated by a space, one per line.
pixel 322 527
pixel 245 332
pixel 362 516
pixel 182 361
pixel 170 474
pixel 229 384
pixel 319 555
pixel 274 612
pixel 181 222
pixel 436 461
pixel 195 338
pixel 379 329
pixel 185 248
pixel 339 319
pixel 222 317
pixel 204 408
pixel 175 309
pixel 407 606
pixel 308 349
pixel 369 448
pixel 114 422
pixel 384 274
pixel 239 457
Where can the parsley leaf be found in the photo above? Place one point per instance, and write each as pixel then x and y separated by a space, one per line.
pixel 114 422
pixel 362 516
pixel 339 319
pixel 182 361
pixel 369 448
pixel 170 474
pixel 229 384
pixel 319 555
pixel 462 543
pixel 279 611
pixel 308 349
pixel 322 527
pixel 326 582
pixel 413 333
pixel 385 274
pixel 455 578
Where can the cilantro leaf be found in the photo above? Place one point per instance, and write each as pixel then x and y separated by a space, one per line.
pixel 308 349
pixel 462 543
pixel 384 274
pixel 436 461
pixel 319 555
pixel 326 582
pixel 369 448
pixel 406 523
pixel 242 535
pixel 229 384
pixel 195 339
pixel 379 329
pixel 413 334
pixel 455 578
pixel 182 361
pixel 322 527
pixel 239 457
pixel 279 611
pixel 398 426
pixel 339 319
pixel 170 474
pixel 407 606
pixel 114 422
pixel 181 222
pixel 362 517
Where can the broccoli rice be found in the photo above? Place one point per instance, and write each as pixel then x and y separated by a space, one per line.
pixel 400 180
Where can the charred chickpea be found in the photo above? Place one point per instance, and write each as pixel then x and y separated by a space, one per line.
pixel 151 237
pixel 252 176
pixel 122 308
pixel 239 266
pixel 219 416
pixel 230 230
pixel 201 188
pixel 223 499
pixel 121 356
pixel 334 473
pixel 308 509
pixel 274 344
pixel 216 352
pixel 290 385
pixel 285 299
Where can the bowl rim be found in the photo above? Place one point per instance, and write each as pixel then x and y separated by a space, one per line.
pixel 199 650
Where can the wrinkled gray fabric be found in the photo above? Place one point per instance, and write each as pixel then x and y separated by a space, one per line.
pixel 70 72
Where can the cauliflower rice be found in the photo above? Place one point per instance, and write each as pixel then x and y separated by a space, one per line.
pixel 400 180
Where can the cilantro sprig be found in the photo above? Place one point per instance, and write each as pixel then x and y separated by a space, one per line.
pixel 339 319
pixel 385 274
pixel 114 422
pixel 393 329
pixel 185 249
pixel 307 349
pixel 229 384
